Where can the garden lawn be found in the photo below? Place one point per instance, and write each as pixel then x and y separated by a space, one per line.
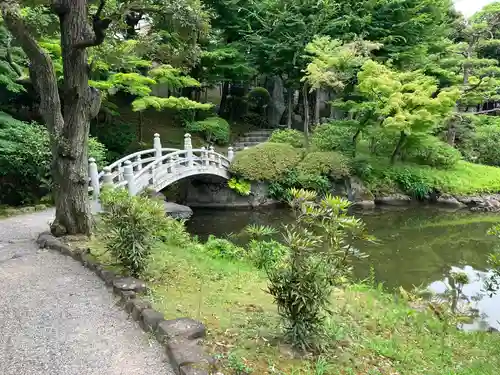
pixel 370 332
pixel 464 179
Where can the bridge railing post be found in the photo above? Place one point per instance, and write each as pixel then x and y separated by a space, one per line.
pixel 107 178
pixel 230 154
pixel 211 155
pixel 128 174
pixel 94 179
pixel 188 146
pixel 204 156
pixel 157 145
pixel 138 161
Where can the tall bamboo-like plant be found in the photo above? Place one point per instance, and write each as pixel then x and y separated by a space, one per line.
pixel 321 251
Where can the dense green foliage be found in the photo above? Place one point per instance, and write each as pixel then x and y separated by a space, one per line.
pixel 334 136
pixel 130 227
pixel 289 136
pixel 331 164
pixel 265 162
pixel 213 129
pixel 25 160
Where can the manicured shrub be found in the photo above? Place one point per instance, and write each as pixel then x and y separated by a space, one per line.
pixel 214 129
pixel 292 137
pixel 334 136
pixel 265 162
pixel 130 227
pixel 429 150
pixel 330 164
pixel 258 98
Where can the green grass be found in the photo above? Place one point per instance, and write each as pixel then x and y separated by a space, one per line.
pixel 370 332
pixel 464 179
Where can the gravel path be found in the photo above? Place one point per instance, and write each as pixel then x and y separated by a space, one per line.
pixel 58 318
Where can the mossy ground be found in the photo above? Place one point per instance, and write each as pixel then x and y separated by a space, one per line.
pixel 370 331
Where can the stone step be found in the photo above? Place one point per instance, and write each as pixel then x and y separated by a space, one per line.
pixel 263 132
pixel 245 144
pixel 258 139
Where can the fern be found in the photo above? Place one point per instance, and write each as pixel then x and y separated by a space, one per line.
pixel 172 77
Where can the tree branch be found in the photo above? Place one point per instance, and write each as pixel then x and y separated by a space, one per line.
pixel 11 62
pixel 480 112
pixel 469 89
pixel 99 27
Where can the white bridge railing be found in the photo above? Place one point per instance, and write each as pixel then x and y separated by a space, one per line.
pixel 158 167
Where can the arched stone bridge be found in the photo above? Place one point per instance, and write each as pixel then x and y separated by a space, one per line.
pixel 159 167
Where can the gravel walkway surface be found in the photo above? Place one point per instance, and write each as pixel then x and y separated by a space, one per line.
pixel 58 318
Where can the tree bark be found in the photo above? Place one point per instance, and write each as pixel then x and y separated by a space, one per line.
pixel 317 106
pixel 69 128
pixel 289 108
pixel 397 149
pixel 306 112
pixel 223 99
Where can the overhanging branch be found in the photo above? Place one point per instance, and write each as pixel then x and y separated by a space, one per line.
pixel 99 27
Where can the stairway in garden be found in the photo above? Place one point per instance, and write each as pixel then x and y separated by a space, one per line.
pixel 252 138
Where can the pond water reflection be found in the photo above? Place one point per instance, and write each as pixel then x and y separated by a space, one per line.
pixel 417 246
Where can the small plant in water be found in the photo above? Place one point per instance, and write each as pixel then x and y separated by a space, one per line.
pixel 242 187
pixel 320 253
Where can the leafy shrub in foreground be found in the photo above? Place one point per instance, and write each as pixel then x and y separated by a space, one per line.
pixel 265 162
pixel 222 248
pixel 266 254
pixel 319 259
pixel 131 225
pixel 214 129
pixel 292 137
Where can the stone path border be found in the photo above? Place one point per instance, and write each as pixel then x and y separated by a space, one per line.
pixel 182 338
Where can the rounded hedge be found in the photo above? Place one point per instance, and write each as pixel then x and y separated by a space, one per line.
pixel 324 163
pixel 292 137
pixel 334 136
pixel 265 162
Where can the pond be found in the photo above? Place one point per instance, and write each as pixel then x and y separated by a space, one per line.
pixel 417 246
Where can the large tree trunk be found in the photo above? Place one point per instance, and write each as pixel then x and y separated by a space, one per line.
pixel 223 99
pixel 69 134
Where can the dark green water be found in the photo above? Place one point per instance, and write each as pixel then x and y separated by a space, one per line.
pixel 418 246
